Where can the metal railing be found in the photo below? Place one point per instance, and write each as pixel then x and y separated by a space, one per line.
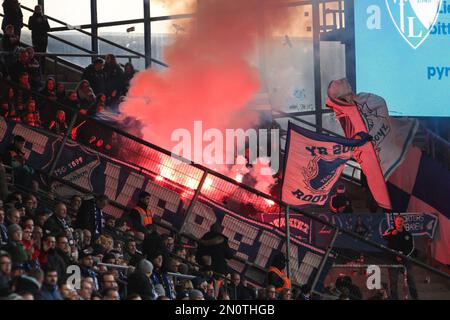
pixel 111 43
pixel 56 57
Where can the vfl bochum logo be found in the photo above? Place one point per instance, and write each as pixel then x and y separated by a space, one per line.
pixel 414 19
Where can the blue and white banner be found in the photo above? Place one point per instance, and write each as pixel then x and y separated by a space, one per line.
pixel 313 165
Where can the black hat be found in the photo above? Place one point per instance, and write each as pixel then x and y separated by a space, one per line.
pixel 84 253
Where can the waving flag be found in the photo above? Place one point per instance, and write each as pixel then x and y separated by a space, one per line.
pixel 369 115
pixel 313 164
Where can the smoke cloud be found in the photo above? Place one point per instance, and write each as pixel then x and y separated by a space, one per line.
pixel 210 78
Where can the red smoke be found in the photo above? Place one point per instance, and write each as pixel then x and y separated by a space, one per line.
pixel 209 78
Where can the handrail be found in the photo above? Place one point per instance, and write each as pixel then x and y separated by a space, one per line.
pixel 101 39
pixel 51 54
pixel 270 197
pixel 61 40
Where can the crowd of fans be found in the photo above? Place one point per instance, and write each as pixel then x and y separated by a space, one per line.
pixel 43 240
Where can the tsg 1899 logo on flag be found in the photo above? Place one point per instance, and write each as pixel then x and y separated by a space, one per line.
pixel 414 19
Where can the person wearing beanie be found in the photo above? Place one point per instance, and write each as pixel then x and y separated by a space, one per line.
pixel 14 246
pixel 160 276
pixel 139 282
pixel 145 266
pixel 340 202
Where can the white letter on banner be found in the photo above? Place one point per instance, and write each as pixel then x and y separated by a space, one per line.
pixel 302 270
pixel 208 218
pixel 269 242
pixel 134 182
pixel 232 226
pixel 171 199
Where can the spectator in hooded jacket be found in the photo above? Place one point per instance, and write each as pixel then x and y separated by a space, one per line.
pixel 12 16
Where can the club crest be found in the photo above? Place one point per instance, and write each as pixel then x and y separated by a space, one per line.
pixel 414 19
pixel 321 173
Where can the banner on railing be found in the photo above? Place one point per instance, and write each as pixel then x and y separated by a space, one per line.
pixel 300 226
pixel 370 226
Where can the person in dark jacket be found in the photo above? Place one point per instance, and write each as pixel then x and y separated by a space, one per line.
pixel 140 216
pixel 90 214
pixel 20 66
pixel 236 290
pixel 10 42
pixel 50 289
pixel 153 242
pixel 57 223
pixel 399 239
pixel 114 77
pixel 3 229
pixel 63 251
pixel 96 76
pixel 131 254
pixel 139 282
pixel 39 26
pixel 215 245
pixel 161 277
pixel 12 16
pixel 86 262
pixel 128 74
